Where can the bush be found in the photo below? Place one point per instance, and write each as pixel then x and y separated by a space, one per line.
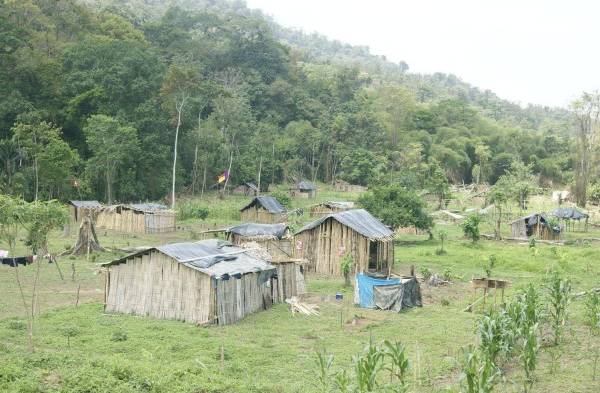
pixel 191 210
pixel 283 198
pixel 470 227
pixel 119 335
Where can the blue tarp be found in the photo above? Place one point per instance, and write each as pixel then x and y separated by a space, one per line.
pixel 365 286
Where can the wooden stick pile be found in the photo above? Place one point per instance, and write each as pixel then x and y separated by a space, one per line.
pixel 304 308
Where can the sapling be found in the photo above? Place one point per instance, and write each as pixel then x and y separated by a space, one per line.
pixel 346 267
pixel 442 235
pixel 492 260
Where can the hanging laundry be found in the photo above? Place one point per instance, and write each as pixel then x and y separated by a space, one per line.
pixel 15 261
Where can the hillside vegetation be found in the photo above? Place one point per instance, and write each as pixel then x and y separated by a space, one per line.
pixel 250 94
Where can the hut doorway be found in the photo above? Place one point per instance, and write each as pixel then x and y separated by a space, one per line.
pixel 373 253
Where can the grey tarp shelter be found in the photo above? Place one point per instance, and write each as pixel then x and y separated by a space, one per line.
pixel 570 214
pixel 210 281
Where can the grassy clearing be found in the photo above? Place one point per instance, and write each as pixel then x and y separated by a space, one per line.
pixel 84 350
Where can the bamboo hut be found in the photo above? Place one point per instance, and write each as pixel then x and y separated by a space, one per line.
pixel 206 282
pixel 274 238
pixel 535 225
pixel 137 218
pixel 304 189
pixel 264 209
pixel 572 219
pixel 246 189
pixel 324 208
pixel 357 233
pixel 80 209
pixel 344 186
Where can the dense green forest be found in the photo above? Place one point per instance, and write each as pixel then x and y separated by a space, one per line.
pixel 93 94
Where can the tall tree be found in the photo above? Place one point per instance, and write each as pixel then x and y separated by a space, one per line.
pixel 111 144
pixel 586 111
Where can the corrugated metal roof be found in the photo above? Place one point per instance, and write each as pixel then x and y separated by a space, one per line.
pixel 260 230
pixel 251 186
pixel 148 206
pixel 269 203
pixel 338 204
pixel 86 204
pixel 214 257
pixel 359 220
pixel 305 185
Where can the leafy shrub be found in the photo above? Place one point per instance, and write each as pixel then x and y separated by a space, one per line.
pixel 426 273
pixel 118 336
pixel 492 260
pixel 191 210
pixel 283 198
pixel 346 267
pixel 16 324
pixel 470 227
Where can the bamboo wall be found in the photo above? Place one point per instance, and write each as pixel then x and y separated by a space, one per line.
pixel 132 221
pixel 289 282
pixel 519 230
pixel 236 298
pixel 325 246
pixel 155 285
pixel 320 211
pixel 260 215
pixel 278 249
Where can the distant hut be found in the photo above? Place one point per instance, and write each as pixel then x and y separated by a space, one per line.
pixel 324 208
pixel 561 196
pixel 572 218
pixel 246 189
pixel 343 186
pixel 206 282
pixel 535 225
pixel 264 209
pixel 275 238
pixel 80 209
pixel 304 189
pixel 137 218
pixel 327 240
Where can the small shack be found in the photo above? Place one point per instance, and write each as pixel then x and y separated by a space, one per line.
pixel 206 282
pixel 304 189
pixel 343 186
pixel 80 209
pixel 274 238
pixel 535 225
pixel 572 218
pixel 264 209
pixel 246 189
pixel 324 208
pixel 357 233
pixel 137 218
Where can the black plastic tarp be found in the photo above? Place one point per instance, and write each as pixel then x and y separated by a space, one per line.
pixel 398 297
pixel 277 231
pixel 569 213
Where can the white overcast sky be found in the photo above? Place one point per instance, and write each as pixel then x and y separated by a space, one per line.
pixel 527 51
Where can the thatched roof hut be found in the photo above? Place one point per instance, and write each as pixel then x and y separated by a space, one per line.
pixel 137 218
pixel 264 209
pixel 357 233
pixel 205 282
pixel 304 189
pixel 325 208
pixel 80 209
pixel 535 225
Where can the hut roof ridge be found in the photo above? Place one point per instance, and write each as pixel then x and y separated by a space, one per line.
pixel 359 220
pixel 271 204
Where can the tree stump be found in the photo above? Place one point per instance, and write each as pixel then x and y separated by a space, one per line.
pixel 87 240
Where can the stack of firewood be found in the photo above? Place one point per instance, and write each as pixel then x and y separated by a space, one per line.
pixel 297 306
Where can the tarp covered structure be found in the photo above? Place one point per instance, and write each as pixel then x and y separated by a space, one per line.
pixel 255 230
pixel 535 224
pixel 569 213
pixel 393 294
pixel 269 203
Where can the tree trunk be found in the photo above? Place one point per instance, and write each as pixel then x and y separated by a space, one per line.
pixel 37 180
pixel 259 172
pixel 204 178
pixel 179 108
pixel 195 170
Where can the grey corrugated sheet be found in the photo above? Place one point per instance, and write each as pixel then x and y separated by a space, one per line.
pixel 86 204
pixel 255 230
pixel 251 186
pixel 269 203
pixel 148 206
pixel 305 185
pixel 569 213
pixel 214 257
pixel 359 220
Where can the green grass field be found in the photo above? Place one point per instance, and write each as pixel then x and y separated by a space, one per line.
pixel 82 349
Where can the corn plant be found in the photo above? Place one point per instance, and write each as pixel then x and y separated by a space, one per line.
pixel 398 367
pixel 529 356
pixel 495 334
pixel 592 312
pixel 479 373
pixel 366 368
pixel 559 294
pixel 342 381
pixel 324 363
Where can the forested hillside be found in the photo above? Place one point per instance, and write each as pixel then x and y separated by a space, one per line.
pixel 92 94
